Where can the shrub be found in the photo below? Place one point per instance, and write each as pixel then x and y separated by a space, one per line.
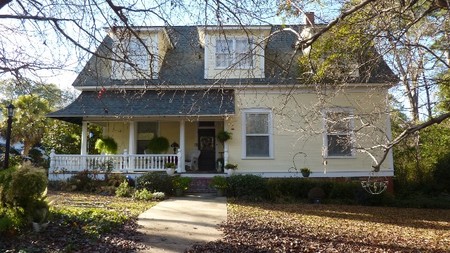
pixel 248 187
pixel 159 196
pixel 26 185
pixel 124 190
pixel 219 182
pixel 156 182
pixel 115 179
pixel 344 190
pixel 11 220
pixel 289 189
pixel 181 182
pixel 143 194
pixel 316 194
pixel 83 181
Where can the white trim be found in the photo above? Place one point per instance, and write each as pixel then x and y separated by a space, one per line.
pixel 267 111
pixel 321 174
pixel 207 51
pixel 325 134
pixel 235 65
pixel 274 88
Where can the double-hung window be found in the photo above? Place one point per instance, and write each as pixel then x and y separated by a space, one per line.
pixel 234 53
pixel 137 56
pixel 257 133
pixel 338 132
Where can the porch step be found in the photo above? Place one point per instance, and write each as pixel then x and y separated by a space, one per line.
pixel 200 185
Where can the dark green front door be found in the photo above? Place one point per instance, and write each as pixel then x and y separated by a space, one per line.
pixel 207 146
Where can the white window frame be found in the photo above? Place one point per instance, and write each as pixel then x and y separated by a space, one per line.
pixel 267 112
pixel 350 132
pixel 140 58
pixel 235 58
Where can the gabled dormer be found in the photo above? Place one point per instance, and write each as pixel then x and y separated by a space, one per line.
pixel 233 51
pixel 139 54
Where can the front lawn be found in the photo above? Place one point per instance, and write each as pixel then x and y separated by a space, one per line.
pixel 331 228
pixel 83 222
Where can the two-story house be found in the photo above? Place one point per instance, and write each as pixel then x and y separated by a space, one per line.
pixel 188 83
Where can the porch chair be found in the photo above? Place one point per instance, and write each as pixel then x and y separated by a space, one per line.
pixel 192 163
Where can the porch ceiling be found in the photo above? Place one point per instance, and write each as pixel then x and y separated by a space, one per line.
pixel 126 104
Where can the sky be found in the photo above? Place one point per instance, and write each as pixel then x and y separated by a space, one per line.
pixel 36 42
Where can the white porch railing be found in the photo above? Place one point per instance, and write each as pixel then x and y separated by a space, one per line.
pixel 111 163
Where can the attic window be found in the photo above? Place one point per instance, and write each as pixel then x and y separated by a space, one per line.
pixel 234 53
pixel 133 59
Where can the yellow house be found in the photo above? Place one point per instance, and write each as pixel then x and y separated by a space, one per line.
pixel 190 83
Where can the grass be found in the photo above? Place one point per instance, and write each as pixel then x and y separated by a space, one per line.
pixel 83 222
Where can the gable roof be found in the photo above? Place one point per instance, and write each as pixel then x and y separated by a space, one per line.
pixel 184 64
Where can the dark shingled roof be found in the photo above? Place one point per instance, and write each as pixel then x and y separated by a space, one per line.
pixel 184 64
pixel 127 104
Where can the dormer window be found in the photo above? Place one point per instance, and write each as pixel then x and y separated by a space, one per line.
pixel 234 53
pixel 139 55
pixel 136 59
pixel 136 55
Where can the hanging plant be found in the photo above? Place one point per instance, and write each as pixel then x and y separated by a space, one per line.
pixel 106 145
pixel 158 145
pixel 224 136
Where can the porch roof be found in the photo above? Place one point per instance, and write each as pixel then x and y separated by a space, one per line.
pixel 128 104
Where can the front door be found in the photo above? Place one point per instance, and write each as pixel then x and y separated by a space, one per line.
pixel 207 146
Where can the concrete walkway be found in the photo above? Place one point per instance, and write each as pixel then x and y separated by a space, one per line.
pixel 176 224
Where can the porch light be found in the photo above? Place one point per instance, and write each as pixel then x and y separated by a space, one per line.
pixel 175 145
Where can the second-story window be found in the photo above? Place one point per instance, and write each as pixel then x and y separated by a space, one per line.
pixel 136 55
pixel 338 134
pixel 234 53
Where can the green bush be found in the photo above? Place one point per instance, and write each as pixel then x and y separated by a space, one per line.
pixel 143 194
pixel 247 187
pixel 156 182
pixel 289 189
pixel 124 190
pixel 23 186
pixel 84 182
pixel 11 219
pixel 181 183
pixel 344 190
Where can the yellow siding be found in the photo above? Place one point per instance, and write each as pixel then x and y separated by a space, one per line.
pixel 298 126
pixel 119 131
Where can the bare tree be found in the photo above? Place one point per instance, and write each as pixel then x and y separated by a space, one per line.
pixel 45 36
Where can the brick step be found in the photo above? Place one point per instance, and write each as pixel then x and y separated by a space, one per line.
pixel 200 185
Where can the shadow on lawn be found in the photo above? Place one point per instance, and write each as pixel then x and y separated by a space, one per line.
pixel 406 217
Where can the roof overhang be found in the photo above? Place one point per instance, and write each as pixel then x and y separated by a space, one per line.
pixel 116 104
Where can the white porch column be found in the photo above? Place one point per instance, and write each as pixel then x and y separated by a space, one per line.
pixel 84 140
pixel 132 138
pixel 132 145
pixel 225 153
pixel 181 167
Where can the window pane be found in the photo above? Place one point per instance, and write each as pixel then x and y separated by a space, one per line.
pixel 257 123
pixel 338 122
pixel 257 146
pixel 339 145
pixel 242 46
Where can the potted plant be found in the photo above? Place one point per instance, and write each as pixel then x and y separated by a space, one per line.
pixel 158 145
pixel 106 145
pixel 305 172
pixel 230 168
pixel 170 168
pixel 223 136
pixel 180 184
pixel 220 184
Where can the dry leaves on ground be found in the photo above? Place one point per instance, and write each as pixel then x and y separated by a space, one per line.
pixel 331 228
